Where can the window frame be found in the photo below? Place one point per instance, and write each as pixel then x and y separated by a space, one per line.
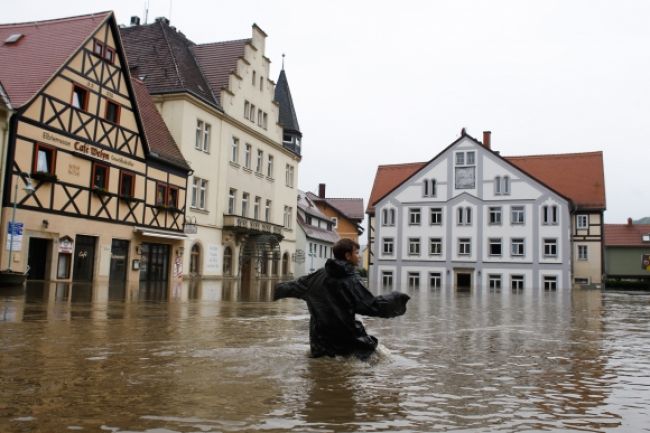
pixel 464 246
pixel 387 279
pixel 582 221
pixel 414 246
pixel 52 162
pixel 550 282
pixel 388 246
pixel 517 247
pixel 118 112
pixel 415 216
pixel 517 210
pixel 435 280
pixel 161 186
pixel 550 247
pixel 583 252
pixel 234 150
pixel 495 215
pixel 169 202
pixel 493 242
pixel 93 171
pixel 413 280
pixel 86 97
pixel 232 201
pixel 435 246
pixel 435 211
pixel 124 174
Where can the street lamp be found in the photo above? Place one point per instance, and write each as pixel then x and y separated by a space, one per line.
pixel 29 189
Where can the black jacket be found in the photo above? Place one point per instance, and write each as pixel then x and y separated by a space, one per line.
pixel 334 294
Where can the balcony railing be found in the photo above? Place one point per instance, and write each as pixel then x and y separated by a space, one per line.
pixel 293 147
pixel 240 224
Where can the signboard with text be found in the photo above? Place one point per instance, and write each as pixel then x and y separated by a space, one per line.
pixel 16 229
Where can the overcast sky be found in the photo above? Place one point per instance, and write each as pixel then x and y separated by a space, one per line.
pixel 379 82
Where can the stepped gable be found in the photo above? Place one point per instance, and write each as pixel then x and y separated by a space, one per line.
pixel 44 47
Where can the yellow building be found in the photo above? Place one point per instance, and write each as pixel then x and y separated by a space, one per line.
pixel 97 183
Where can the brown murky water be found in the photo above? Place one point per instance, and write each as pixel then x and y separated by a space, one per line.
pixel 209 358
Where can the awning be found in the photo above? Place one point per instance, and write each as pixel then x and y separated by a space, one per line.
pixel 165 234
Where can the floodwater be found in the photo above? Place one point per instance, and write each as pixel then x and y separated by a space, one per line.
pixel 215 358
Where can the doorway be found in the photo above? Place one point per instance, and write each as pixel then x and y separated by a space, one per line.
pixel 84 258
pixel 463 281
pixel 37 258
pixel 119 260
pixel 154 262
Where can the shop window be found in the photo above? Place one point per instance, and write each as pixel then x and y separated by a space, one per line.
pixel 127 184
pixel 44 159
pixel 100 176
pixel 112 112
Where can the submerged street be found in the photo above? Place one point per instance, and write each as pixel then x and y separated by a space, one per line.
pixel 211 357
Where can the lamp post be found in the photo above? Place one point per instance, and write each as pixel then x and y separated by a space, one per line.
pixel 29 189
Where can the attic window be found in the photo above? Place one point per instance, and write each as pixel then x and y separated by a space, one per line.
pixel 646 238
pixel 13 38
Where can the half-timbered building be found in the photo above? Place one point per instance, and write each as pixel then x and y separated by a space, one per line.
pixel 97 183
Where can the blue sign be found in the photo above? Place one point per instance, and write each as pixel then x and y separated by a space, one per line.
pixel 15 229
pixel 14 236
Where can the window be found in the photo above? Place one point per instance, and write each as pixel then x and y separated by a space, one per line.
pixel 335 222
pixel 465 170
pixel 203 137
pixel 161 194
pixel 227 261
pixel 80 98
pixel 112 112
pixel 172 197
pixel 254 77
pixel 252 113
pixel 495 215
pixel 289 175
pixel 267 211
pixel 247 155
pixel 63 265
pixel 550 282
pixel 429 188
pixel 45 159
pixel 582 221
pixel 387 246
pixel 470 158
pixel 247 109
pixel 582 252
pixel 269 167
pixel 260 161
pixel 435 280
pixel 494 246
pixel 244 204
pixel 195 259
pixel 100 176
pixel 234 150
pixel 435 216
pixel 259 117
pixel 550 247
pixel 502 185
pixel 517 282
pixel 127 184
pixel 388 217
pixel 232 201
pixel 413 280
pixel 199 193
pixel 387 279
pixel 261 83
pixel 497 185
pixel 104 51
pixel 464 246
pixel 549 215
pixel 414 216
pixel 287 216
pixel 464 216
pixel 460 158
pixel 414 246
pixel 517 247
pixel 265 121
pixel 98 48
pixel 494 282
pixel 435 246
pixel 256 208
pixel 517 215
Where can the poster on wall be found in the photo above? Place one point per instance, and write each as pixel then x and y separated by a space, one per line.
pixel 645 262
pixel 15 229
pixel 212 259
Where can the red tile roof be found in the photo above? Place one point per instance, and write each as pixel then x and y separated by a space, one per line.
pixel 28 64
pixel 217 60
pixel 160 141
pixel 626 235
pixel 578 176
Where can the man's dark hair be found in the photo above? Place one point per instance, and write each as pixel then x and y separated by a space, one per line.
pixel 343 246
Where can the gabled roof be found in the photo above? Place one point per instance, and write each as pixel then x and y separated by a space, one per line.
pixel 579 176
pixel 306 205
pixel 351 208
pixel 218 60
pixel 160 141
pixel 30 62
pixel 288 118
pixel 626 235
pixel 162 57
pixel 576 176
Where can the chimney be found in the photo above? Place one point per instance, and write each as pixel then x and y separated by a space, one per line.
pixel 321 190
pixel 487 135
pixel 135 20
pixel 629 221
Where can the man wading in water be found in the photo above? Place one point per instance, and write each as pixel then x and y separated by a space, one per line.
pixel 334 294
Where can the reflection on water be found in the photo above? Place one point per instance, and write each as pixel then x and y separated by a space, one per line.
pixel 212 356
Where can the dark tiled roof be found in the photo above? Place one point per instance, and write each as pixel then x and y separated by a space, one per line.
pixel 28 64
pixel 218 60
pixel 351 208
pixel 578 176
pixel 288 118
pixel 626 235
pixel 162 57
pixel 160 141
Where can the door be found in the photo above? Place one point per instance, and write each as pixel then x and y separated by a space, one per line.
pixel 84 258
pixel 154 262
pixel 37 258
pixel 119 261
pixel 463 281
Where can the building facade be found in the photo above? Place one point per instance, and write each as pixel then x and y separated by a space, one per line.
pixel 97 183
pixel 220 105
pixel 316 237
pixel 471 219
pixel 627 253
pixel 345 213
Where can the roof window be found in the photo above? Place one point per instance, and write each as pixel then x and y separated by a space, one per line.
pixel 13 38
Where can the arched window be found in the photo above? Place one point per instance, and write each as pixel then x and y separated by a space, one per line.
pixel 285 264
pixel 227 261
pixel 195 259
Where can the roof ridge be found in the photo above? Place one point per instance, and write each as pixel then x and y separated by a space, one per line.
pixel 546 155
pixel 52 20
pixel 404 164
pixel 223 42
